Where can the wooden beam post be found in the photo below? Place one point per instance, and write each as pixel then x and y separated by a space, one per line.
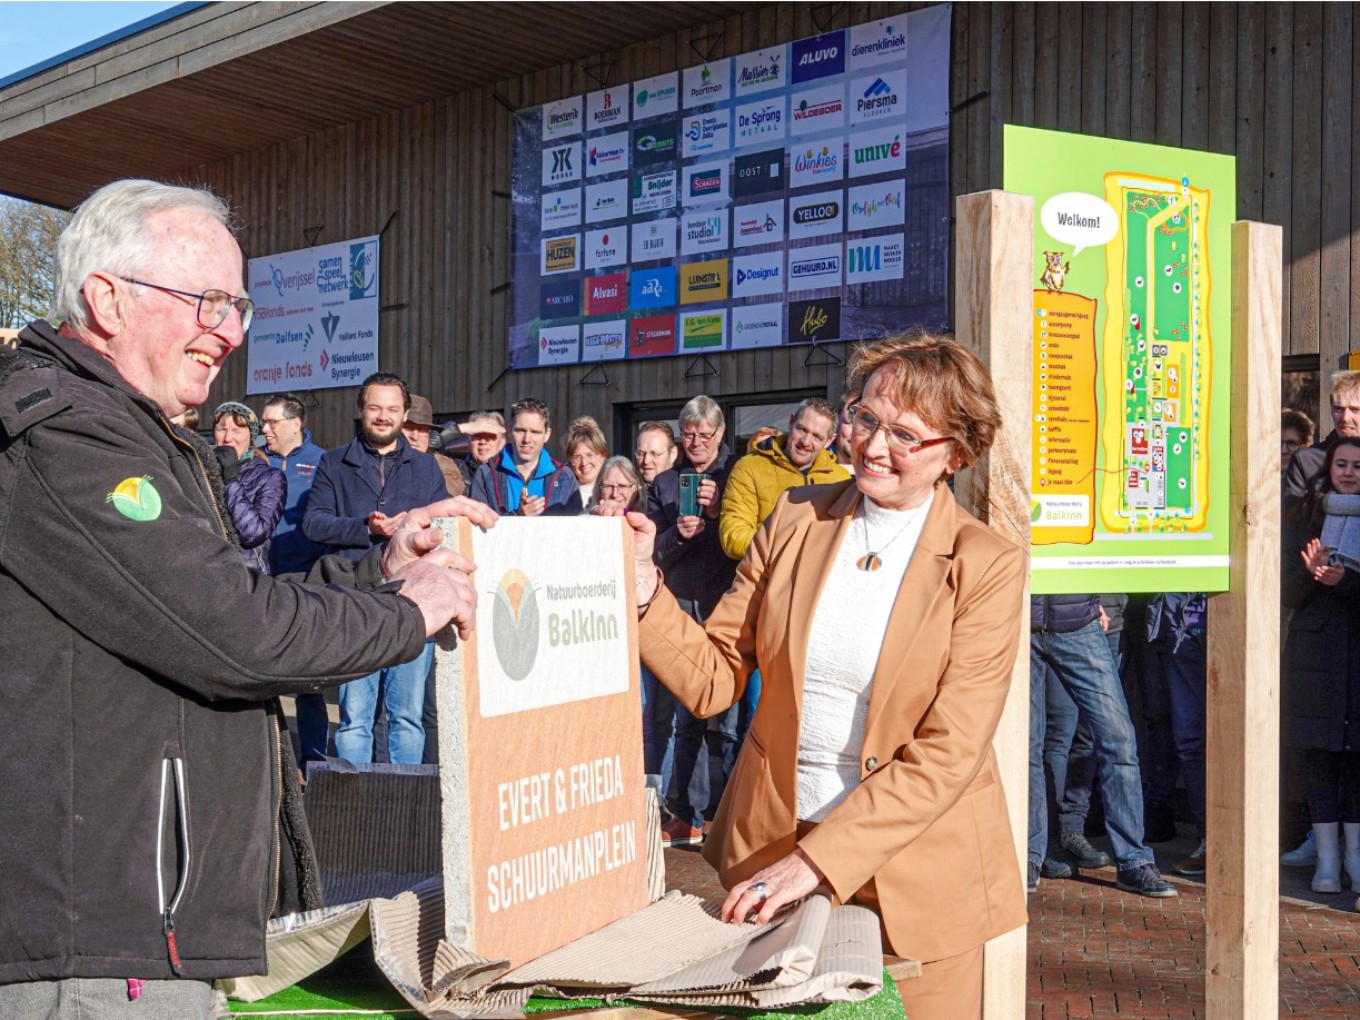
pixel 1243 685
pixel 993 309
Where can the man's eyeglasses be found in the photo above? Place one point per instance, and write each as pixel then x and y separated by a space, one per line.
pixel 271 423
pixel 865 422
pixel 213 305
pixel 698 437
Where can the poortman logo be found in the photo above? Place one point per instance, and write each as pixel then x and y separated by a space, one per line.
pixel 515 624
pixel 818 57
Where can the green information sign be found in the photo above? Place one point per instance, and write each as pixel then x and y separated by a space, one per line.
pixel 1131 321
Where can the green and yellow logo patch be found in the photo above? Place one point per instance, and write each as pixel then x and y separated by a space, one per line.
pixel 136 499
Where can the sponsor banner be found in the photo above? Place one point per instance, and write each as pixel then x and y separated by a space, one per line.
pixel 559 299
pixel 654 239
pixel 561 119
pixel 871 206
pixel 561 164
pixel 706 184
pixel 707 83
pixel 816 215
pixel 762 223
pixel 607 154
pixel 316 317
pixel 878 151
pixel 757 326
pixel 652 288
pixel 875 258
pixel 878 97
pixel 651 335
pixel 656 143
pixel 703 331
pixel 703 231
pixel 604 341
pixel 607 200
pixel 607 248
pixel 818 57
pixel 653 192
pixel 758 173
pixel 655 97
pixel 706 132
pixel 607 107
pixel 817 109
pixel 559 345
pixel 817 163
pixel 606 294
pixel 815 267
pixel 761 121
pixel 879 42
pixel 754 275
pixel 561 209
pixel 703 281
pixel 817 320
pixel 560 255
pixel 760 71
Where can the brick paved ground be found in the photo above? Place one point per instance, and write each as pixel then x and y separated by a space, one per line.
pixel 1099 952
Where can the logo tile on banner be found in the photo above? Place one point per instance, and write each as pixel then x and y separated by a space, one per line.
pixel 604 341
pixel 559 345
pixel 606 201
pixel 755 275
pixel 559 299
pixel 561 164
pixel 816 163
pixel 878 151
pixel 653 192
pixel 816 267
pixel 706 184
pixel 561 209
pixel 607 154
pixel 607 107
pixel 876 205
pixel 703 231
pixel 701 282
pixel 760 71
pixel 816 320
pixel 654 239
pixel 560 255
pixel 816 215
pixel 871 259
pixel 703 331
pixel 877 97
pixel 879 42
pixel 758 173
pixel 656 143
pixel 656 97
pixel 757 326
pixel 761 223
pixel 561 119
pixel 607 294
pixel 818 109
pixel 761 122
pixel 706 132
pixel 607 248
pixel 818 57
pixel 651 335
pixel 652 288
pixel 707 83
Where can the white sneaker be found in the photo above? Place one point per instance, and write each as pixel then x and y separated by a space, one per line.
pixel 1302 856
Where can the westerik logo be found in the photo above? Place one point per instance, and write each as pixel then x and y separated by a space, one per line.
pixel 878 97
pixel 560 121
pixel 515 624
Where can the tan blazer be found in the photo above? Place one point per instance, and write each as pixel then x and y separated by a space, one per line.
pixel 925 836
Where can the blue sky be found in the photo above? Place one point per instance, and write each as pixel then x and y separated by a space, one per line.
pixel 31 31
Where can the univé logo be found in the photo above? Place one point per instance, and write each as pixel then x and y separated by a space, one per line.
pixel 514 624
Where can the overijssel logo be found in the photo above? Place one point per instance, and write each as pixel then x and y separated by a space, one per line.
pixel 515 625
pixel 822 212
pixel 290 281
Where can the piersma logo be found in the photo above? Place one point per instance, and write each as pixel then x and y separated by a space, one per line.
pixel 515 625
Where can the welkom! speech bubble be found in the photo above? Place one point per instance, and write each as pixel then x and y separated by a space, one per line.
pixel 1080 220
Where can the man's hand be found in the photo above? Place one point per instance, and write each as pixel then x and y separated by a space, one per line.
pixel 440 584
pixel 382 526
pixel 688 527
pixel 709 498
pixel 532 506
pixel 415 538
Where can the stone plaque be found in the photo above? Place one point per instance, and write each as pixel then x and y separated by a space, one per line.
pixel 540 738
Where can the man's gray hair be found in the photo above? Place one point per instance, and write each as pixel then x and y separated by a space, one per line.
pixel 702 410
pixel 108 233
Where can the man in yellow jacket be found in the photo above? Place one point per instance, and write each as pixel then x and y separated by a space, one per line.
pixel 773 465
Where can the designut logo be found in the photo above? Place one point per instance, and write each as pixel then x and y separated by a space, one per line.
pixel 514 624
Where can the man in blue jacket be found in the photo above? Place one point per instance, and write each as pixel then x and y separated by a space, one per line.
pixel 359 499
pixel 523 479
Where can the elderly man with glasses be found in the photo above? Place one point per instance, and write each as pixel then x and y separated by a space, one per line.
pixel 697 572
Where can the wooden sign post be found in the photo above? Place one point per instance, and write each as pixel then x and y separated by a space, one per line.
pixel 1243 685
pixel 993 304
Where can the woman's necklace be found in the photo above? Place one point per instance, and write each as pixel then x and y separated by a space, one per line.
pixel 873 558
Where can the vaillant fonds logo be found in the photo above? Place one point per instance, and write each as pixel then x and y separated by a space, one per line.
pixel 514 624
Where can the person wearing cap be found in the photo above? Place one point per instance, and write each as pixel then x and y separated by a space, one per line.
pixel 485 433
pixel 419 430
pixel 255 492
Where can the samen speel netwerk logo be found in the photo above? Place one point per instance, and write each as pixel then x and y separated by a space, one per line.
pixel 514 624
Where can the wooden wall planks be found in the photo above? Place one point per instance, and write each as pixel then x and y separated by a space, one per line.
pixel 1276 84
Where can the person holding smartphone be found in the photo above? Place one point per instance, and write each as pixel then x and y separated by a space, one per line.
pixel 684 503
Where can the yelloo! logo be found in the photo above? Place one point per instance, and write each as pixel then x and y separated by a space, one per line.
pixel 514 624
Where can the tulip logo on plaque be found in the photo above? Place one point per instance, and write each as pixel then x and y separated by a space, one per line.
pixel 514 627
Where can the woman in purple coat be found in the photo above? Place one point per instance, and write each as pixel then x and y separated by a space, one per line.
pixel 255 492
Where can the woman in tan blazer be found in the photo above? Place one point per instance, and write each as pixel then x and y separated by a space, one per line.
pixel 884 620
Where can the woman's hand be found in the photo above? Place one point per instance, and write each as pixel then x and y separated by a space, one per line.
pixel 785 881
pixel 644 542
pixel 1317 561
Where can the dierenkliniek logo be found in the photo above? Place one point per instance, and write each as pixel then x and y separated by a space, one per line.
pixel 514 624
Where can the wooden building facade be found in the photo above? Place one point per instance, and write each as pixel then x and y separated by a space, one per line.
pixel 1276 85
